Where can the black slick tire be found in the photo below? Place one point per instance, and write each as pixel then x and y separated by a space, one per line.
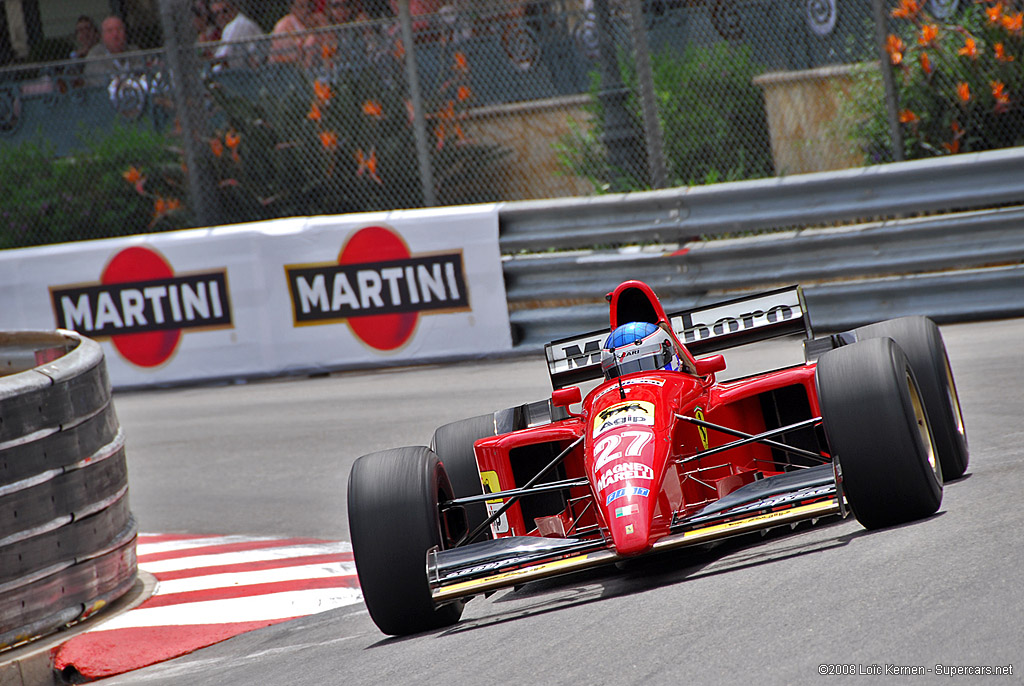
pixel 394 520
pixel 876 422
pixel 453 443
pixel 922 342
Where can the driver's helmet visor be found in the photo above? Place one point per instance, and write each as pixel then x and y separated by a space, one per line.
pixel 646 363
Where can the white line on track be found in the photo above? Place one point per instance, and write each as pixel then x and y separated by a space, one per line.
pixel 273 606
pixel 265 576
pixel 258 555
pixel 144 548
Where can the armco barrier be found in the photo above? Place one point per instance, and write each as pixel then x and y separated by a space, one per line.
pixel 952 265
pixel 67 537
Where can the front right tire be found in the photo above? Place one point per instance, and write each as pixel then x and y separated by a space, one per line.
pixel 876 423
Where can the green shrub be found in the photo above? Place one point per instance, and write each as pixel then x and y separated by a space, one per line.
pixel 52 200
pixel 707 139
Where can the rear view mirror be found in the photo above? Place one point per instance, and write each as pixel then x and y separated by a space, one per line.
pixel 564 397
pixel 710 365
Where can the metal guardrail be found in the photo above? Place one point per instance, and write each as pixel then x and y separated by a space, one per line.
pixel 944 265
pixel 67 537
pixel 969 181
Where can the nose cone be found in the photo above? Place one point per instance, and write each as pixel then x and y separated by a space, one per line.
pixel 623 466
pixel 629 518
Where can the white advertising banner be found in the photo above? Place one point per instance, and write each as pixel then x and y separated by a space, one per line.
pixel 284 296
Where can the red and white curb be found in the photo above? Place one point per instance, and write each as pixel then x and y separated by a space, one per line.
pixel 210 588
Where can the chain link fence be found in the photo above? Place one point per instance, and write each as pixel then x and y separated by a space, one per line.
pixel 491 100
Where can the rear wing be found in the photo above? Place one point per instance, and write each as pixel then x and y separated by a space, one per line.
pixel 703 330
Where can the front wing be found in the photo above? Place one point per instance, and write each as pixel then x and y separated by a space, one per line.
pixel 500 563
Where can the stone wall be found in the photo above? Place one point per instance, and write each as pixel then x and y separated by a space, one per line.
pixel 530 131
pixel 810 128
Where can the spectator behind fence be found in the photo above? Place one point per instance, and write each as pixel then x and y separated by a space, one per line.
pixel 297 48
pixel 344 49
pixel 114 41
pixel 235 26
pixel 87 35
pixel 202 23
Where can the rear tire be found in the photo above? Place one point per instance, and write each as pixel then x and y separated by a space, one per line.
pixel 876 422
pixel 922 342
pixel 453 443
pixel 394 520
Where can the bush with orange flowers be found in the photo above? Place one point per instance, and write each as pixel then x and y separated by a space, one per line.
pixel 959 80
pixel 122 182
pixel 336 141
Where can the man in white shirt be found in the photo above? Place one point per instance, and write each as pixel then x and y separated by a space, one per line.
pixel 235 26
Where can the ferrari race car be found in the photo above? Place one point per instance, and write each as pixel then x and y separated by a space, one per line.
pixel 659 454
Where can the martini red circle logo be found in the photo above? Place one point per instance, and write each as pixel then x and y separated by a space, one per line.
pixel 378 287
pixel 143 306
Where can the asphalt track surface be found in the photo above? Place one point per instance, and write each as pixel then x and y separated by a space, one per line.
pixel 273 458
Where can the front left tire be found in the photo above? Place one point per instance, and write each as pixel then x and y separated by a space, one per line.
pixel 394 519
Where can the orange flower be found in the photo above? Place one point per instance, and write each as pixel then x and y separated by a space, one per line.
pixel 894 46
pixel 908 117
pixel 908 9
pixel 133 176
pixel 1001 96
pixel 926 63
pixel 994 13
pixel 963 91
pixel 1001 55
pixel 217 147
pixel 328 50
pixel 329 139
pixel 322 91
pixel 970 49
pixel 399 50
pixel 1014 23
pixel 162 206
pixel 368 165
pixel 372 108
pixel 463 93
pixel 952 148
pixel 460 62
pixel 232 139
pixel 314 113
pixel 929 32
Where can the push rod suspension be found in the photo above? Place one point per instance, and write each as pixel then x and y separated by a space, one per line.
pixel 515 499
pixel 749 438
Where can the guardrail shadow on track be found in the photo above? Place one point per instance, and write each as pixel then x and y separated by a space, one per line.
pixel 67 537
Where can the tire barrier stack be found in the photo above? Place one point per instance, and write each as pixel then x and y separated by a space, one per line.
pixel 67 537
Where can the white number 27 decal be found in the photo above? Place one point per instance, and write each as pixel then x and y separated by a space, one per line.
pixel 606 447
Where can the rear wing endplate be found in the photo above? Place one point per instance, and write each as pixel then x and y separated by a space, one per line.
pixel 703 330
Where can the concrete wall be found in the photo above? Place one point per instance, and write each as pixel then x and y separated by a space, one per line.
pixel 809 126
pixel 530 130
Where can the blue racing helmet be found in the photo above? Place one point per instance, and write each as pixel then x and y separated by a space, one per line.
pixel 636 347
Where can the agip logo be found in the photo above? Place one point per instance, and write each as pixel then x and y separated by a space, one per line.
pixel 378 288
pixel 143 306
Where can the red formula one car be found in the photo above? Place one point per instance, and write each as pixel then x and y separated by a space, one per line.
pixel 659 454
